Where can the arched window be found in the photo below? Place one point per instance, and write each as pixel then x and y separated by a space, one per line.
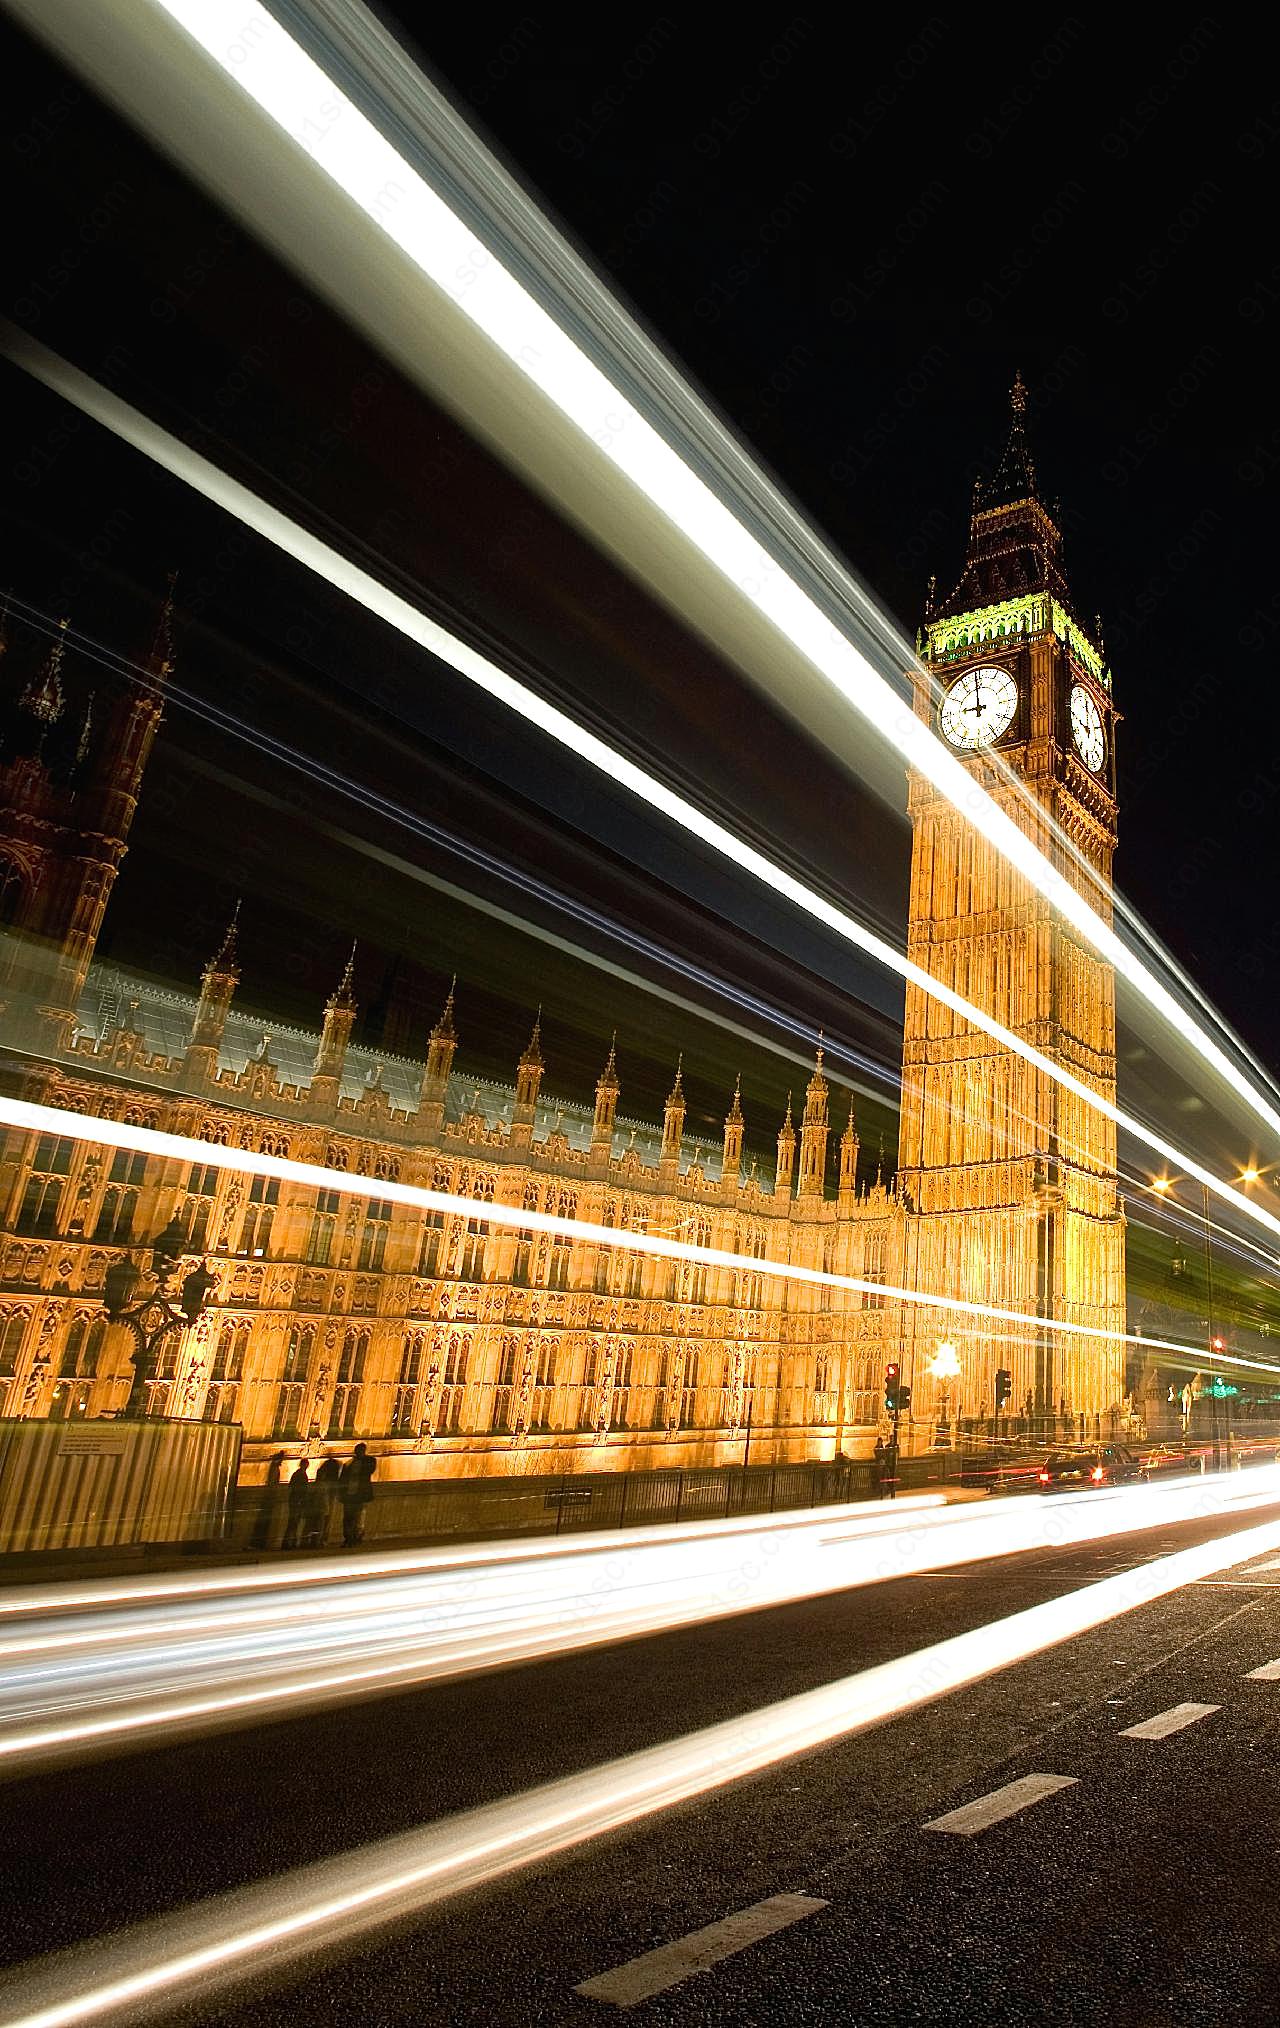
pixel 293 1379
pixel 259 1215
pixel 227 1373
pixel 77 1368
pixel 454 1390
pixel 346 1395
pixel 13 1329
pixel 542 1407
pixel 404 1403
pixel 373 1239
pixel 504 1392
pixel 45 1186
pixel 324 1224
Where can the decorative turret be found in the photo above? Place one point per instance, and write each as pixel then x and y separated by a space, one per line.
pixel 43 699
pixel 848 1162
pixel 443 1042
pixel 218 983
pixel 734 1127
pixel 813 1133
pixel 607 1089
pixel 528 1083
pixel 786 1155
pixel 530 1068
pixel 673 1120
pixel 335 1038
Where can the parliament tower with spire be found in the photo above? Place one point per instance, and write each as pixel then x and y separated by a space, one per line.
pixel 1009 1176
pixel 454 1348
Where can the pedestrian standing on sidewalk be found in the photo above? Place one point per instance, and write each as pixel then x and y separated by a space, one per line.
pixel 299 1498
pixel 879 1465
pixel 329 1483
pixel 264 1525
pixel 356 1492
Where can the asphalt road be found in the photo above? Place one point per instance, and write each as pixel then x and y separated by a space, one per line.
pixel 1143 1890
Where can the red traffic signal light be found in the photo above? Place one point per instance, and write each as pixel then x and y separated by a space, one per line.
pixel 892 1390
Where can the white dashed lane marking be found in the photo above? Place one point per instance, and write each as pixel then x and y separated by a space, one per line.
pixel 1169 1721
pixel 1268 1673
pixel 642 1977
pixel 971 1818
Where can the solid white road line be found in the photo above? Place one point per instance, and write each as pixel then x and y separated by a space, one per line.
pixel 971 1818
pixel 1268 1673
pixel 642 1977
pixel 1172 1720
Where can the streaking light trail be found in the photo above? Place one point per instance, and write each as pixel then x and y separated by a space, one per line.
pixel 154 1968
pixel 79 1680
pixel 379 599
pixel 39 1119
pixel 271 68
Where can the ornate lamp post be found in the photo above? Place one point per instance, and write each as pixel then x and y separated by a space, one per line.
pixel 148 1301
pixel 945 1367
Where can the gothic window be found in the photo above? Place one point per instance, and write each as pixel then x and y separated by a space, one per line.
pixel 404 1403
pixel 659 1415
pixel 431 1246
pixel 13 893
pixel 689 1393
pixel 620 1406
pixel 541 1413
pixel 323 1226
pixel 164 1371
pixel 474 1247
pixel 455 1385
pixel 46 1184
pixel 558 1272
pixel 120 1198
pixel 873 1269
pixel 293 1380
pixel 196 1214
pixel 504 1391
pixel 227 1373
pixel 373 1239
pixel 700 1236
pixel 259 1215
pixel 77 1368
pixel 590 1374
pixel 346 1395
pixel 12 1331
pixel 633 1273
pixel 824 1400
pixel 521 1270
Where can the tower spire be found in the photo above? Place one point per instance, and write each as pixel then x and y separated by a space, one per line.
pixel 1014 478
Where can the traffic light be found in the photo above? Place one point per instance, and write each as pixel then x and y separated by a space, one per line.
pixel 904 1400
pixel 892 1387
pixel 1004 1386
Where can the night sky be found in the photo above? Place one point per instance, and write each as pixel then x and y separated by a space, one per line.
pixel 850 243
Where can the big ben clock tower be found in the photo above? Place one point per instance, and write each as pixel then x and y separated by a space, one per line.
pixel 1012 1178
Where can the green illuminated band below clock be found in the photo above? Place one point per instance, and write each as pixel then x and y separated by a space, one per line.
pixel 1086 729
pixel 979 707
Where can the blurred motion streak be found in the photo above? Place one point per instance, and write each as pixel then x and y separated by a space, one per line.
pixel 94 1128
pixel 307 549
pixel 312 114
pixel 258 1930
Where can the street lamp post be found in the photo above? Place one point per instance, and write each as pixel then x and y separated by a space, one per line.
pixel 153 1313
pixel 945 1367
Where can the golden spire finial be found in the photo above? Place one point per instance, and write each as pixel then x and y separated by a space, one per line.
pixel 1018 393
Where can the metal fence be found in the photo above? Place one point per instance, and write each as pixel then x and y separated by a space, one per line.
pixel 428 1510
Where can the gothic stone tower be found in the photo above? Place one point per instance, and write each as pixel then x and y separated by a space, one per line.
pixel 1012 1179
pixel 71 765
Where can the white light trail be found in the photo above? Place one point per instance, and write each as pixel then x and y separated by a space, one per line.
pixel 377 598
pixel 93 1128
pixel 271 68
pixel 146 1668
pixel 260 1929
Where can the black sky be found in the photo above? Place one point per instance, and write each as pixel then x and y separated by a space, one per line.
pixel 850 242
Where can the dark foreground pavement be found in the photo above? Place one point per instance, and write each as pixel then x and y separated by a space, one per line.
pixel 1142 1893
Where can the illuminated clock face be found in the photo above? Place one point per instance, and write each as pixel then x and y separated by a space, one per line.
pixel 977 709
pixel 1086 729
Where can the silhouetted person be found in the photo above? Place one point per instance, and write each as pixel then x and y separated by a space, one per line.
pixel 328 1484
pixel 264 1526
pixel 300 1495
pixel 356 1491
pixel 879 1465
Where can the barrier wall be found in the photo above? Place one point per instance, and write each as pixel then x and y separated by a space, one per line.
pixel 105 1482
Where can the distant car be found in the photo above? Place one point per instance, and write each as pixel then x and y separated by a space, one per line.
pixel 1075 1471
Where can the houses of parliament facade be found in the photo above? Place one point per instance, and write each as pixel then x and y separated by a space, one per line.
pixel 457 1347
